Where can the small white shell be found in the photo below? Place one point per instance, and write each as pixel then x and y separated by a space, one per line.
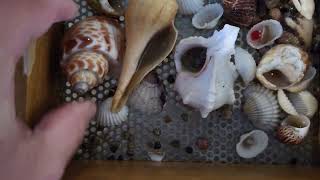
pixel 261 107
pixel 156 156
pixel 305 7
pixel 305 82
pixel 208 16
pixel 294 129
pixel 270 30
pixel 107 118
pixel 245 64
pixel 188 7
pixel 298 103
pixel 252 144
pixel 146 98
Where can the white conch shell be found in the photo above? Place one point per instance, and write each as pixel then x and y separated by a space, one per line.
pixel 304 27
pixel 305 82
pixel 261 107
pixel 245 64
pixel 188 7
pixel 282 67
pixel 294 129
pixel 208 16
pixel 107 118
pixel 156 155
pixel 305 7
pixel 212 87
pixel 146 98
pixel 270 31
pixel 252 144
pixel 298 103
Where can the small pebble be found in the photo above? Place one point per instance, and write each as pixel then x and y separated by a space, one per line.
pixel 189 150
pixel 157 145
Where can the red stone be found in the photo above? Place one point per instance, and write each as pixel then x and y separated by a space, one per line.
pixel 202 143
pixel 256 35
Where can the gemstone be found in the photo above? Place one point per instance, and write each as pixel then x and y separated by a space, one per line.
pixel 256 35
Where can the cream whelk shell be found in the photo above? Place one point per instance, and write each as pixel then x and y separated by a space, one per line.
pixel 252 144
pixel 294 129
pixel 282 67
pixel 305 7
pixel 188 7
pixel 208 16
pixel 245 64
pixel 264 33
pixel 298 103
pixel 107 118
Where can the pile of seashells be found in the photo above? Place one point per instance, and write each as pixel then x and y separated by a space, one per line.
pixel 207 68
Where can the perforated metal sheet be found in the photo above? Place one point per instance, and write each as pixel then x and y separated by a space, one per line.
pixel 178 127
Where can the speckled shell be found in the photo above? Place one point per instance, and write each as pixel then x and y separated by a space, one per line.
pixel 240 12
pixel 261 107
pixel 107 118
pixel 294 129
pixel 91 45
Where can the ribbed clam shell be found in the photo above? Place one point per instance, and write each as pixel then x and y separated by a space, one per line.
pixel 270 30
pixel 107 118
pixel 245 64
pixel 305 82
pixel 261 107
pixel 289 38
pixel 252 144
pixel 146 98
pixel 294 129
pixel 298 103
pixel 240 12
pixel 188 7
pixel 208 16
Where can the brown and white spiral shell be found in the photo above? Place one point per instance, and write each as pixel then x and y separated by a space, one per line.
pixel 240 12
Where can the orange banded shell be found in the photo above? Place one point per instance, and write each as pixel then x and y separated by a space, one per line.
pixel 240 12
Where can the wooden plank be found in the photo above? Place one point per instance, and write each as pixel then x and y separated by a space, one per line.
pixel 99 170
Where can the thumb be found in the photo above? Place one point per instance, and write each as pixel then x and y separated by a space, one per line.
pixel 61 131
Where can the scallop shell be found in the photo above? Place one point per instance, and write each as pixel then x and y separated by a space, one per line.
pixel 188 7
pixel 252 144
pixel 208 16
pixel 268 30
pixel 294 129
pixel 282 67
pixel 289 38
pixel 240 12
pixel 108 7
pixel 245 65
pixel 107 118
pixel 305 82
pixel 298 103
pixel 147 98
pixel 261 107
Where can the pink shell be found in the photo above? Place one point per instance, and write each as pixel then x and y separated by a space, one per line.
pixel 240 12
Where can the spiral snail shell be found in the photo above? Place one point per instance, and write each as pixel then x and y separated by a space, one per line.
pixel 89 48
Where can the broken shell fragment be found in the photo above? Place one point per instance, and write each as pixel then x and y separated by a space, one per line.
pixel 107 118
pixel 208 16
pixel 294 129
pixel 245 64
pixel 305 7
pixel 298 103
pixel 252 144
pixel 108 7
pixel 189 7
pixel 264 33
pixel 304 27
pixel 282 66
pixel 305 82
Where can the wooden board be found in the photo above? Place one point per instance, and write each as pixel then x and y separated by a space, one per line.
pixel 98 170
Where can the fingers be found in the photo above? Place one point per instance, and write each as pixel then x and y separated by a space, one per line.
pixel 62 130
pixel 67 10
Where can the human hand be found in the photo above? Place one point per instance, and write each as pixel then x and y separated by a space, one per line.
pixel 41 153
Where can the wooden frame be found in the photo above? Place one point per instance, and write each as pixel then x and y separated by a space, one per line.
pixel 37 95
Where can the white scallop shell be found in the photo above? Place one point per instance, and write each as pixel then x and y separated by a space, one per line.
pixel 245 64
pixel 146 98
pixel 298 103
pixel 156 156
pixel 188 7
pixel 252 144
pixel 261 107
pixel 208 16
pixel 271 31
pixel 305 82
pixel 107 118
